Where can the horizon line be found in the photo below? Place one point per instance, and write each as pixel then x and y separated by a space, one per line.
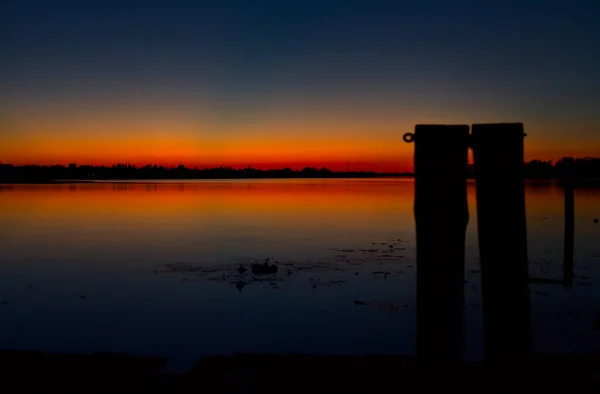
pixel 250 166
pixel 196 168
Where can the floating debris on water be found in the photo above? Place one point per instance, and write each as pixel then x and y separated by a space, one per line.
pixel 264 269
pixel 240 285
pixel 384 273
pixel 327 283
pixel 387 306
pixel 248 270
pixel 181 268
pixel 538 218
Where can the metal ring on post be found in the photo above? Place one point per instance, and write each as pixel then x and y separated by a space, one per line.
pixel 408 137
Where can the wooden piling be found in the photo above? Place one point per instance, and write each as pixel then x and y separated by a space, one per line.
pixel 498 159
pixel 569 241
pixel 441 216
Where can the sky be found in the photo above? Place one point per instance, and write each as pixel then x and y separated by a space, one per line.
pixel 290 83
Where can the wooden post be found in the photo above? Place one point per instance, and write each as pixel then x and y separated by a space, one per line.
pixel 569 244
pixel 441 216
pixel 498 159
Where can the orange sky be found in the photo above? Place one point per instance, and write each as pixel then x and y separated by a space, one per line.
pixel 269 85
pixel 373 141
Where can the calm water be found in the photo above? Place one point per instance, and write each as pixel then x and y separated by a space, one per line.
pixel 151 268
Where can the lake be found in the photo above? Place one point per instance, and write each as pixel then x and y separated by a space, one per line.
pixel 151 268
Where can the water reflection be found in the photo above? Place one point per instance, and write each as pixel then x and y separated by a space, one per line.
pixel 346 286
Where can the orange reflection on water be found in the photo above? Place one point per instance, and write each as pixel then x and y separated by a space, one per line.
pixel 264 197
pixel 199 215
pixel 129 224
pixel 234 196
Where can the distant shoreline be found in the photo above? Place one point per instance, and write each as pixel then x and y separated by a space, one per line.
pixel 586 172
pixel 158 180
pixel 585 183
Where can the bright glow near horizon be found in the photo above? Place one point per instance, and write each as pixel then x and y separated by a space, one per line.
pixel 275 86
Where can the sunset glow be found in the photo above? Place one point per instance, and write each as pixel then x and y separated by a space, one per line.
pixel 275 87
pixel 363 147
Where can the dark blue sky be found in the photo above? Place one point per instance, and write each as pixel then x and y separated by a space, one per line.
pixel 531 61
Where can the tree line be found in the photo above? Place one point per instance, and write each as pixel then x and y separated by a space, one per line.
pixel 583 168
pixel 36 173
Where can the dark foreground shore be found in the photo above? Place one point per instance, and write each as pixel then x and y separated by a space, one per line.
pixel 24 371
